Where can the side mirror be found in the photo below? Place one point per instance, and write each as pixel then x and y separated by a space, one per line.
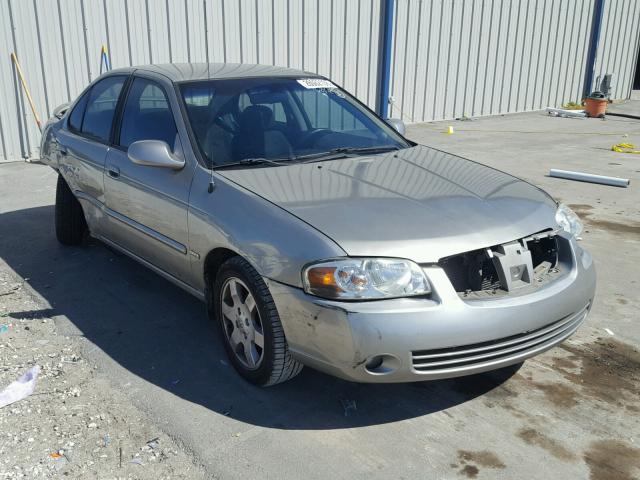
pixel 154 153
pixel 397 124
pixel 60 110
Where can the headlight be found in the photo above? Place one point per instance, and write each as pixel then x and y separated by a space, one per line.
pixel 568 220
pixel 365 278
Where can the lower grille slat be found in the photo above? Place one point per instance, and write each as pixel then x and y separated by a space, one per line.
pixel 443 360
pixel 496 344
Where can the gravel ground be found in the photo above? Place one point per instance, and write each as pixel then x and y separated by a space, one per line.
pixel 75 424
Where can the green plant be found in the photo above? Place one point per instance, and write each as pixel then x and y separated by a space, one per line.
pixel 573 106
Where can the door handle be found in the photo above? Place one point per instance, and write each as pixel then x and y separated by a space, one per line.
pixel 114 172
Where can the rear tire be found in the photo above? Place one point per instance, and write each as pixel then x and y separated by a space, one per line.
pixel 272 362
pixel 71 226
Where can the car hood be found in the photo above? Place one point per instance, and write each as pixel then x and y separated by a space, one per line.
pixel 417 203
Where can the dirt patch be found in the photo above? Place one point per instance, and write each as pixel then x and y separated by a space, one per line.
pixel 585 211
pixel 555 448
pixel 483 458
pixel 610 371
pixel 470 471
pixel 558 394
pixel 581 208
pixel 609 459
pixel 564 363
pixel 516 412
pixel 618 227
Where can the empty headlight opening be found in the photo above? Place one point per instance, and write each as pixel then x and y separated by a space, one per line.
pixel 475 271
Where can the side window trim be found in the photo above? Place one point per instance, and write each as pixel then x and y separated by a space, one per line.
pixel 117 118
pixel 191 136
pixel 88 91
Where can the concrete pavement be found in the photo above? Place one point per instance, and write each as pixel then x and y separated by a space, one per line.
pixel 570 413
pixel 628 107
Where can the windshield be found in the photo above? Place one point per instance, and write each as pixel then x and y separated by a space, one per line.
pixel 283 119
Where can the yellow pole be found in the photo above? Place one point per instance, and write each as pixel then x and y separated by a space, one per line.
pixel 104 59
pixel 26 90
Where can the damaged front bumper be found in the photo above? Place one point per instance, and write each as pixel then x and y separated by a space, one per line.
pixel 447 335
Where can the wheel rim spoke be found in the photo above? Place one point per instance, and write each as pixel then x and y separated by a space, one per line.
pixel 233 291
pixel 242 323
pixel 248 353
pixel 258 339
pixel 227 311
pixel 250 303
pixel 236 337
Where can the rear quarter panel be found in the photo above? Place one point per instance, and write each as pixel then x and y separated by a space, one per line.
pixel 48 146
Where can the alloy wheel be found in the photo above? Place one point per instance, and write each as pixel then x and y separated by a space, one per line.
pixel 242 323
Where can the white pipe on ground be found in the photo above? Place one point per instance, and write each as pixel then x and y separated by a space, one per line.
pixel 589 177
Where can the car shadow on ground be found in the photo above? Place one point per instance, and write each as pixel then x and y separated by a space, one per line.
pixel 161 334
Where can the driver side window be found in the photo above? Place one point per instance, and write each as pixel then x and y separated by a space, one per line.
pixel 147 115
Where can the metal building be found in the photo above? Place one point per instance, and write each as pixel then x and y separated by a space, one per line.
pixel 454 58
pixel 437 59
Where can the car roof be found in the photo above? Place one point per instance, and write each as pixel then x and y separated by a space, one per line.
pixel 183 72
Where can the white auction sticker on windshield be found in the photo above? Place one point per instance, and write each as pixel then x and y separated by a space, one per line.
pixel 315 83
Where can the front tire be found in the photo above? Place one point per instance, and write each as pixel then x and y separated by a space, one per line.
pixel 252 332
pixel 71 226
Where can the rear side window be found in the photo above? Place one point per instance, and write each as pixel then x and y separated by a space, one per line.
pixel 75 119
pixel 101 108
pixel 147 115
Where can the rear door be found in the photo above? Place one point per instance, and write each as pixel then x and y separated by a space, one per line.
pixel 147 205
pixel 83 145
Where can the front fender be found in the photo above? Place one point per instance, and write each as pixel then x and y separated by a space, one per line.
pixel 275 242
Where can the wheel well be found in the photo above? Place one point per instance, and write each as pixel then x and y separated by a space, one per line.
pixel 214 260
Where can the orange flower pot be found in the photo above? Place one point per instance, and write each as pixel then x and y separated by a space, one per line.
pixel 595 107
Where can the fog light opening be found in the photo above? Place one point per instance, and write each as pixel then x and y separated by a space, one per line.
pixel 382 364
pixel 374 362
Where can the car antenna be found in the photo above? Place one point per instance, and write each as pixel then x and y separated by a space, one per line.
pixel 206 36
pixel 212 184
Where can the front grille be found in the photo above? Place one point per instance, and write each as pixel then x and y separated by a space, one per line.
pixel 475 271
pixel 445 360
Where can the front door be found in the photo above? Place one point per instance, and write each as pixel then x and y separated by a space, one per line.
pixel 147 206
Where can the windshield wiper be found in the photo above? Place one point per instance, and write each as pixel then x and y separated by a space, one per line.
pixel 342 151
pixel 312 157
pixel 250 162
